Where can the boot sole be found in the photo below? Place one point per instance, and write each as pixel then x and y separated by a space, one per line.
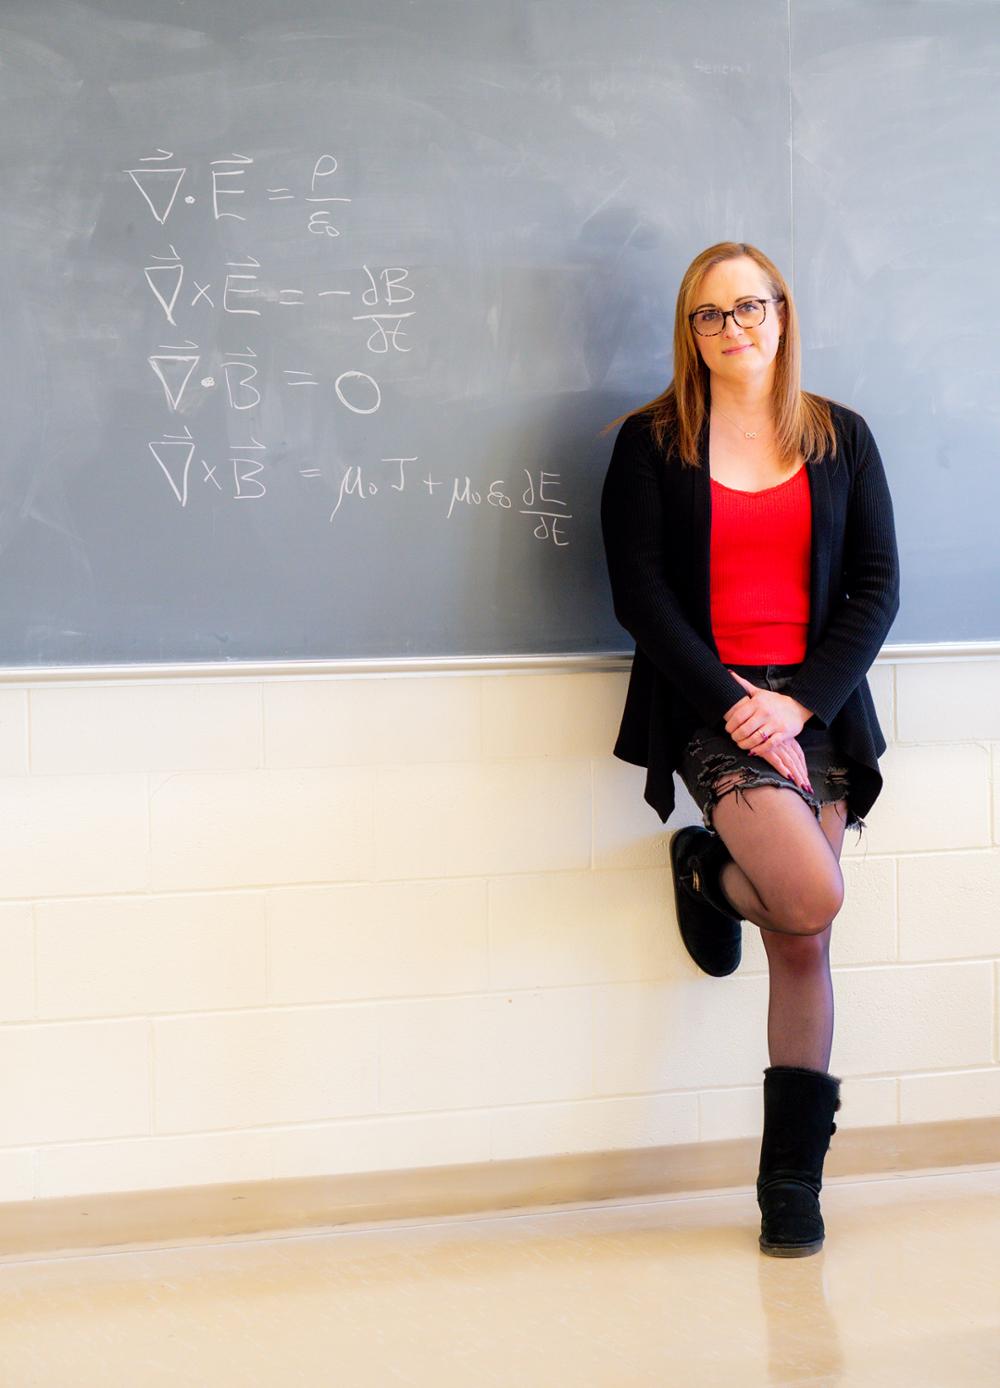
pixel 790 1250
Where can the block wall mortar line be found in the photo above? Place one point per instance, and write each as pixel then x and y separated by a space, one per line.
pixel 382 1002
pixel 27 731
pixel 593 818
pixel 34 961
pixel 593 1043
pixel 149 834
pixel 490 960
pixel 268 990
pixel 894 689
pixel 151 1066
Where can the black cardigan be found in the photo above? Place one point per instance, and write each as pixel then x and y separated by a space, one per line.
pixel 656 525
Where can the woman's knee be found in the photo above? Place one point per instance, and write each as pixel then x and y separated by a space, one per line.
pixel 809 910
pixel 804 950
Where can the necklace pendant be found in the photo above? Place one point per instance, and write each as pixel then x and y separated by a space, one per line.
pixel 750 435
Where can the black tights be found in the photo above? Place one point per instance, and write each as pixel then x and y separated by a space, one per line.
pixel 785 877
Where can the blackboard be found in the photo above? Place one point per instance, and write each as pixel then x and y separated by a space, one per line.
pixel 313 313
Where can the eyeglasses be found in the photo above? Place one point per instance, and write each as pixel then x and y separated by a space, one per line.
pixel 748 313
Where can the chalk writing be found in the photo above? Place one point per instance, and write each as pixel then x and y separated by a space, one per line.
pixel 220 290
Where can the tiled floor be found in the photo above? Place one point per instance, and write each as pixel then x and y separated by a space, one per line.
pixel 672 1292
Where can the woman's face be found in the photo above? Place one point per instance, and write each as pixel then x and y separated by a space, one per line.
pixel 740 355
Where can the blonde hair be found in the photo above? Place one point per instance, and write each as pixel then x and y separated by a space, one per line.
pixel 803 423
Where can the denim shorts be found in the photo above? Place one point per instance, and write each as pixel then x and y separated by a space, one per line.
pixel 711 753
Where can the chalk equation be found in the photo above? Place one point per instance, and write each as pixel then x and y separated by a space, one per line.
pixel 160 186
pixel 174 366
pixel 195 299
pixel 175 454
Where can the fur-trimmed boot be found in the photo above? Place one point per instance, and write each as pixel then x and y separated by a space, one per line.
pixel 799 1105
pixel 710 927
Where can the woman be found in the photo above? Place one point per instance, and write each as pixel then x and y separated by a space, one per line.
pixel 751 551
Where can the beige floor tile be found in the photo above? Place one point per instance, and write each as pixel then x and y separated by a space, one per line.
pixel 673 1292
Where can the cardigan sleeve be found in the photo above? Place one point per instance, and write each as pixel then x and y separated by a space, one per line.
pixel 644 601
pixel 839 661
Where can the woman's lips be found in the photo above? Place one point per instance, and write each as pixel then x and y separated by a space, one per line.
pixel 728 351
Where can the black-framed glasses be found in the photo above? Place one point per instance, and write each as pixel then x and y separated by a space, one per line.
pixel 748 313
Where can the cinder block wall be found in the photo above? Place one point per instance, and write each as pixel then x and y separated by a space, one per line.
pixel 257 928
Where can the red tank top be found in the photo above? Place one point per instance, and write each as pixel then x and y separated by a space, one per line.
pixel 760 553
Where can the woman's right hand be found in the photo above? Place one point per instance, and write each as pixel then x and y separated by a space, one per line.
pixel 788 758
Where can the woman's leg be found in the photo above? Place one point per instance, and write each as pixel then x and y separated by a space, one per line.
pixel 784 858
pixel 800 1000
pixel 785 875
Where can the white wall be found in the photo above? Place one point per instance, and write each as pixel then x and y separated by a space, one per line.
pixel 296 926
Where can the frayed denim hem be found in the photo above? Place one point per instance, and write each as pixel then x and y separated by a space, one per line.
pixel 721 773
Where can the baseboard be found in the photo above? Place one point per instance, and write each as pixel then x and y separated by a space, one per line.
pixel 77 1225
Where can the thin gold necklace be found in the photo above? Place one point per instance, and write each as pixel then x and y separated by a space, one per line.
pixel 747 433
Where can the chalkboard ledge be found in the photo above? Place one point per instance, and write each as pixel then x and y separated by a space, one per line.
pixel 603 661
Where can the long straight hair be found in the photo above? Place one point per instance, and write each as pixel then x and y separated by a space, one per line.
pixel 803 423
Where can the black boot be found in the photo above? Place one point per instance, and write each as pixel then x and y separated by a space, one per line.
pixel 799 1105
pixel 710 927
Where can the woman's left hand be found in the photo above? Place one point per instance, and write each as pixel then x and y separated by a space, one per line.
pixel 778 715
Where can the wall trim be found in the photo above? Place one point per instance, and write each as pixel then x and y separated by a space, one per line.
pixel 197 671
pixel 74 1226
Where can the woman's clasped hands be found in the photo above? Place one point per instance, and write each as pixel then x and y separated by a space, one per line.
pixel 780 718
